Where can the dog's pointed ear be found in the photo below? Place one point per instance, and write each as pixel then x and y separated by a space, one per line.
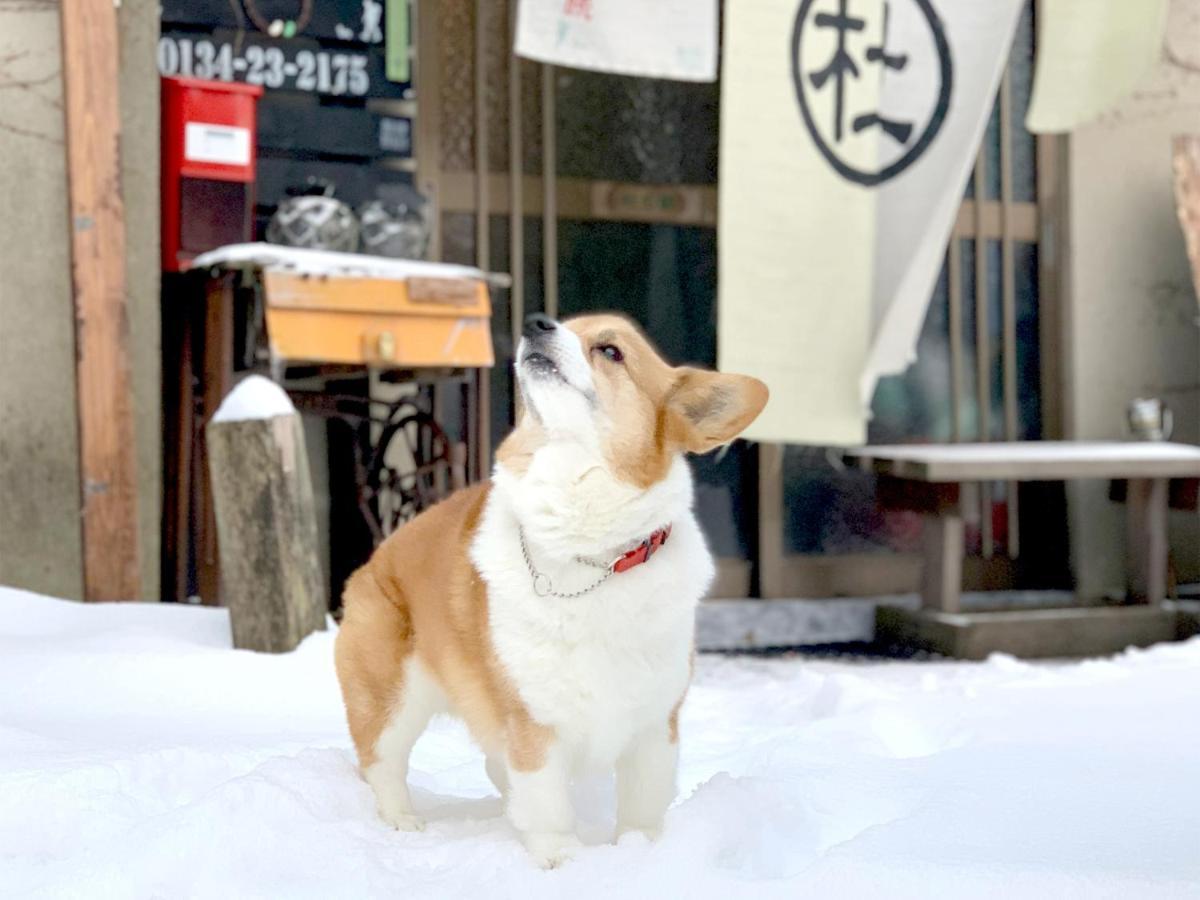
pixel 707 409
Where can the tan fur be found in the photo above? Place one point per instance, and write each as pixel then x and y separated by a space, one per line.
pixel 374 641
pixel 420 593
pixel 673 721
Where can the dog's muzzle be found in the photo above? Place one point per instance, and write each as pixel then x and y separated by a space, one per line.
pixel 537 352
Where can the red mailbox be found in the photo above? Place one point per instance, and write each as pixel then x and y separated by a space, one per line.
pixel 208 166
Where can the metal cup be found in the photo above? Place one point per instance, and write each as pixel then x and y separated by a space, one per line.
pixel 1149 419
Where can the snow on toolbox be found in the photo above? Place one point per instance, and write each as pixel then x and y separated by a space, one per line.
pixel 352 308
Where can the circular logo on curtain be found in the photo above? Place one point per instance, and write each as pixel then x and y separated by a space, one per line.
pixel 873 80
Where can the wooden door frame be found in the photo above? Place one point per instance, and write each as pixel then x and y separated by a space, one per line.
pixel 96 224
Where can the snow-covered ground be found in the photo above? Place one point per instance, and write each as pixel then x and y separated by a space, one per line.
pixel 140 757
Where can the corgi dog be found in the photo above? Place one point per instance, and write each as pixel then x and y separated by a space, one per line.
pixel 551 608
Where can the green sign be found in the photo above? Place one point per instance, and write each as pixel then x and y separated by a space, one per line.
pixel 398 62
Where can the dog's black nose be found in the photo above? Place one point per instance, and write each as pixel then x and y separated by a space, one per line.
pixel 538 324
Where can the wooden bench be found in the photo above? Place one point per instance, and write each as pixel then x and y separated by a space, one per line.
pixel 929 479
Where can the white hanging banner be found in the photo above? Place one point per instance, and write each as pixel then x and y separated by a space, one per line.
pixel 916 208
pixel 1091 54
pixel 794 236
pixel 848 129
pixel 674 39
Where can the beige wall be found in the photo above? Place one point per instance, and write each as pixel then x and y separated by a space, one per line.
pixel 39 450
pixel 1132 308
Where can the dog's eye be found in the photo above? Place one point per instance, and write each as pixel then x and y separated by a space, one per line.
pixel 611 352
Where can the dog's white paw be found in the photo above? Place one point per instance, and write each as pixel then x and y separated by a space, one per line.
pixel 402 821
pixel 651 832
pixel 550 850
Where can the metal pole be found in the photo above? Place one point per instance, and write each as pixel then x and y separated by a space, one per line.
pixel 550 193
pixel 1009 300
pixel 516 178
pixel 982 347
pixel 482 217
pixel 954 279
pixel 481 420
pixel 428 131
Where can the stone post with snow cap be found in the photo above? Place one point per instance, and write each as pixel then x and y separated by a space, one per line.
pixel 271 577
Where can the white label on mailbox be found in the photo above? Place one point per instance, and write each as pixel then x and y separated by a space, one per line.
pixel 225 144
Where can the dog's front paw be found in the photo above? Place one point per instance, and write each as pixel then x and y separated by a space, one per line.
pixel 651 832
pixel 402 820
pixel 550 849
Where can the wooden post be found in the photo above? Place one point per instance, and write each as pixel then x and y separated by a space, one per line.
pixel 941 577
pixel 267 529
pixel 217 379
pixel 90 54
pixel 1146 535
pixel 940 504
pixel 770 521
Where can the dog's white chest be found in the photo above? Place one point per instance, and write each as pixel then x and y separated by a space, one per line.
pixel 601 667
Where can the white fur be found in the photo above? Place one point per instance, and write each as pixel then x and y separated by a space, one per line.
pixel 606 669
pixel 646 782
pixel 553 405
pixel 420 699
pixel 539 807
pixel 600 668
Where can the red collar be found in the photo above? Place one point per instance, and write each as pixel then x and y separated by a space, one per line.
pixel 642 551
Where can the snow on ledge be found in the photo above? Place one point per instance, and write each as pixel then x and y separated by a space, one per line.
pixel 255 397
pixel 328 263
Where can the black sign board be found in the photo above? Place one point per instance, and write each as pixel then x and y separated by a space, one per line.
pixel 351 21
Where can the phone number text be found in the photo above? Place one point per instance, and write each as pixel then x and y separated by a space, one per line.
pixel 318 71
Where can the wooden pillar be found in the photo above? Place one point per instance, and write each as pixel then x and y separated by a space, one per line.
pixel 107 469
pixel 267 527
pixel 941 507
pixel 941 577
pixel 1146 537
pixel 770 521
pixel 216 380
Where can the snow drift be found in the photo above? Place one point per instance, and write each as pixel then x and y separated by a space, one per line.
pixel 141 757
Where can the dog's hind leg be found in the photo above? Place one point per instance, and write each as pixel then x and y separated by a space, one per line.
pixel 389 695
pixel 416 702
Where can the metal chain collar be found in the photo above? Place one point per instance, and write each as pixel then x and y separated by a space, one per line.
pixel 544 587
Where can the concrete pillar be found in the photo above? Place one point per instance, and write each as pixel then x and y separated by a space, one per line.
pixel 1133 309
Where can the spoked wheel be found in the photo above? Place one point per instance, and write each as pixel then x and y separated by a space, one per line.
pixel 409 470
